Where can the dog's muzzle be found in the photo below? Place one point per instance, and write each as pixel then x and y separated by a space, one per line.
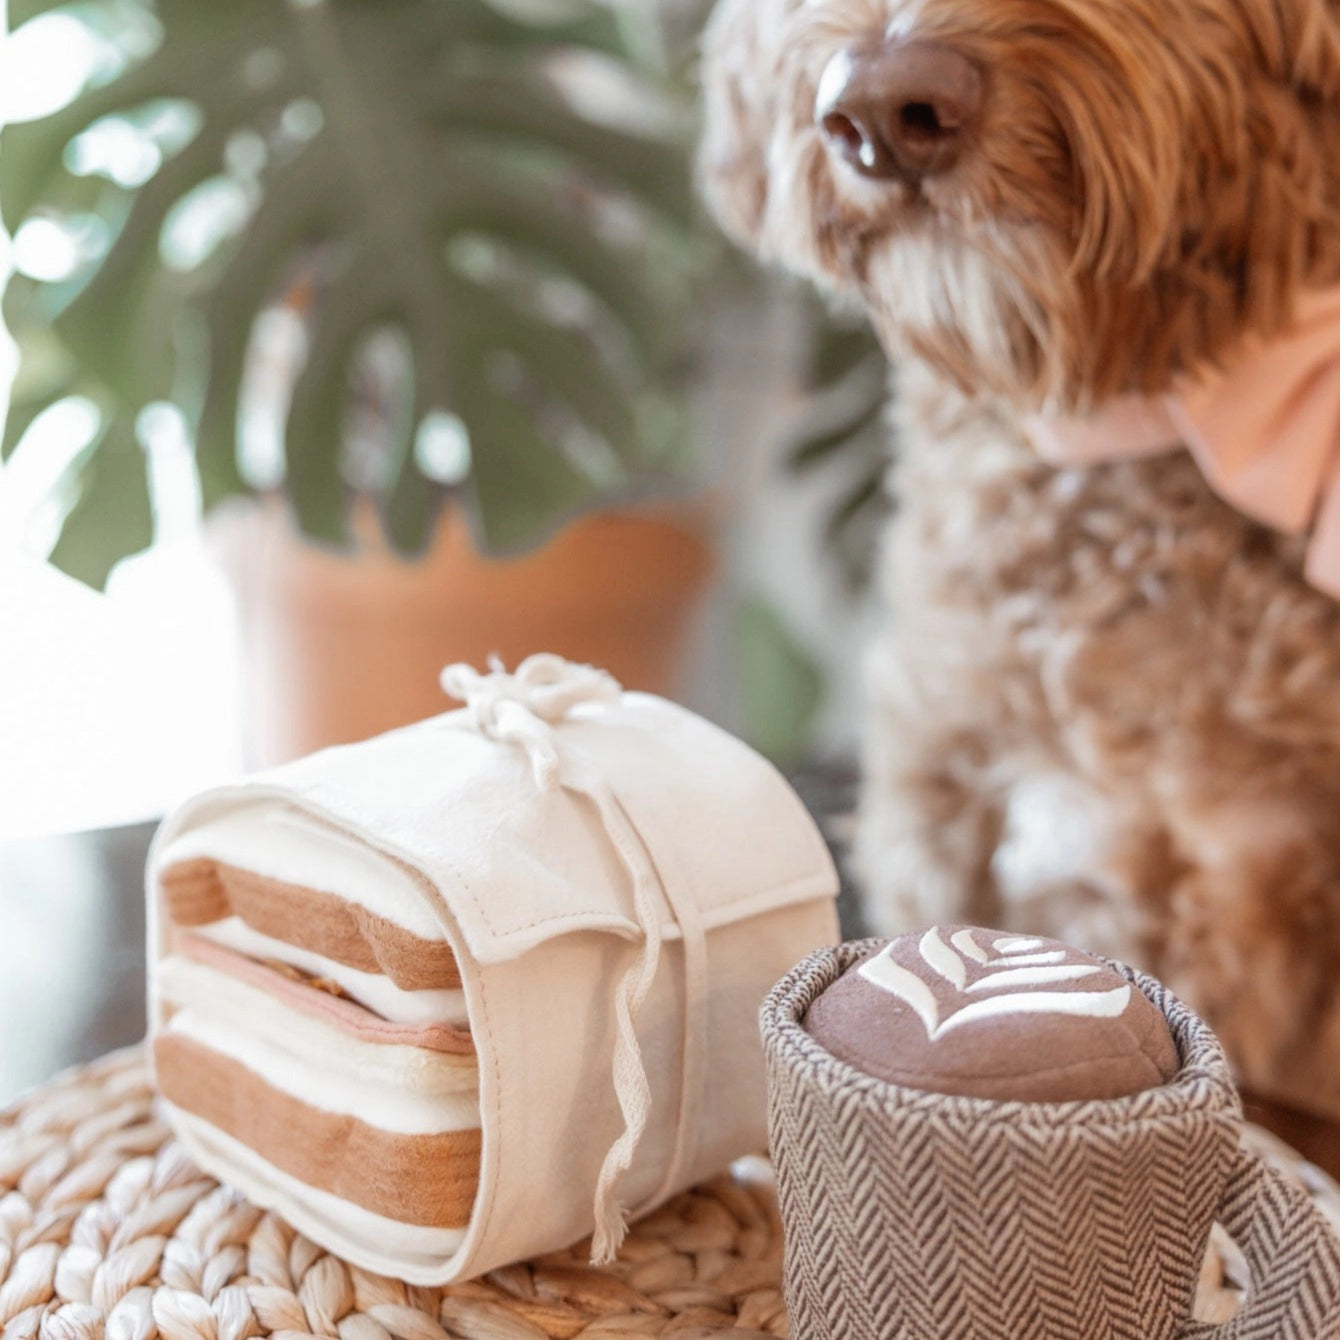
pixel 898 110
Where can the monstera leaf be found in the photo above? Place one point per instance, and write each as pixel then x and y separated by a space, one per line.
pixel 412 165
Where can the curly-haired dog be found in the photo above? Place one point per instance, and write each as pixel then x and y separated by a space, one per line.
pixel 1108 705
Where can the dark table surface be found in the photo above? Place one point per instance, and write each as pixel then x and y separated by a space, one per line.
pixel 71 951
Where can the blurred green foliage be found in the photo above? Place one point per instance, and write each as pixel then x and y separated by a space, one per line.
pixel 409 165
pixel 413 176
pixel 779 684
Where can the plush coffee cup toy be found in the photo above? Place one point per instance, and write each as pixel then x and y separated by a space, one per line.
pixel 980 1136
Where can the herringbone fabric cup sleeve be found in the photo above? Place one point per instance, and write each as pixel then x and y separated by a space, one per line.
pixel 916 1216
pixel 1293 1255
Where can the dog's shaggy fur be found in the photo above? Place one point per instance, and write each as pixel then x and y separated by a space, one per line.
pixel 1108 705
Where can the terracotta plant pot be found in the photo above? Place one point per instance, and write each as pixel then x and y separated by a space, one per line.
pixel 337 648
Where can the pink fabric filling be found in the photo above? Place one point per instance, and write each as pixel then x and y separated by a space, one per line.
pixel 350 1018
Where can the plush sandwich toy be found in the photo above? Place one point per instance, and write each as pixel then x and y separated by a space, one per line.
pixel 462 994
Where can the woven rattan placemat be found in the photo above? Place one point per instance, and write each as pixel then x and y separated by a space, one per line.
pixel 108 1229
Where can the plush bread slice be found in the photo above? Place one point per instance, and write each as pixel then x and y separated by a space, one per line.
pixel 352 1107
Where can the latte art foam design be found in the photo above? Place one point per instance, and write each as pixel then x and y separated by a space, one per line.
pixel 1009 962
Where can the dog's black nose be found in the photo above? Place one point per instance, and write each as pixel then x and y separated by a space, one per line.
pixel 898 109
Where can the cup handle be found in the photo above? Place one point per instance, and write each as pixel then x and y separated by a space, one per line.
pixel 1294 1256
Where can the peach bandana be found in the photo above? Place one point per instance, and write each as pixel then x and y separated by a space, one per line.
pixel 1264 429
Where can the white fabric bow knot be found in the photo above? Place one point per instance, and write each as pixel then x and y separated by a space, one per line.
pixel 522 707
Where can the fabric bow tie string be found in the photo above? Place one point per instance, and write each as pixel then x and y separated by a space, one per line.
pixel 1264 429
pixel 523 709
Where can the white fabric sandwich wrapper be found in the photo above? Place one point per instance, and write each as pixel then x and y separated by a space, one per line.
pixel 621 883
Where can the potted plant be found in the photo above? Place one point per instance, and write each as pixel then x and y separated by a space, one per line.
pixel 423 277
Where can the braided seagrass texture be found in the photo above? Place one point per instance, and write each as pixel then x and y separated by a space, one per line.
pixel 916 1215
pixel 108 1229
